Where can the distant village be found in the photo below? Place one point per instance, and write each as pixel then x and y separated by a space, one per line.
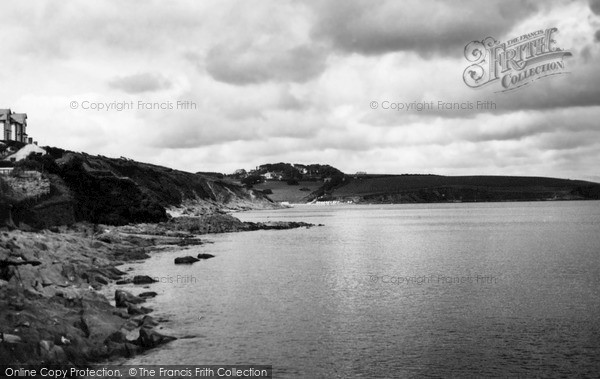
pixel 291 173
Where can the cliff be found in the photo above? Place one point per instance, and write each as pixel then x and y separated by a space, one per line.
pixel 116 192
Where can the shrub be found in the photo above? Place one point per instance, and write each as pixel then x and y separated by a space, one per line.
pixel 252 180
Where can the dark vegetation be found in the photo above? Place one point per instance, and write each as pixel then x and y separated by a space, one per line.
pixel 436 188
pixel 217 175
pixel 288 172
pixel 251 180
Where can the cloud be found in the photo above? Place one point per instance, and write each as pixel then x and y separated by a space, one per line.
pixel 248 63
pixel 291 80
pixel 139 83
pixel 427 27
pixel 595 6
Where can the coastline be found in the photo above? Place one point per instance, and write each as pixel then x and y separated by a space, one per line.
pixel 53 308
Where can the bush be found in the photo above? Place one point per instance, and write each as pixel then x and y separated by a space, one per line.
pixel 41 163
pixel 251 180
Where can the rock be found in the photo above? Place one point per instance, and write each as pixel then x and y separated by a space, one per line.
pixel 189 241
pixel 18 262
pixel 114 273
pixel 123 298
pixel 40 246
pixel 149 338
pixel 10 338
pixel 51 353
pixel 121 349
pixel 96 326
pixel 121 313
pixel 132 349
pixel 185 260
pixel 205 256
pixel 132 324
pixel 117 336
pixel 45 345
pixel 146 295
pixel 124 281
pixel 135 310
pixel 148 322
pixel 143 279
pixel 96 245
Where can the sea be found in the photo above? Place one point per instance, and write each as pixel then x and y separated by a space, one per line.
pixel 390 291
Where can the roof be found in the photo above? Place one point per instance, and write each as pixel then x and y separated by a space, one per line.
pixel 19 117
pixel 4 113
pixel 25 151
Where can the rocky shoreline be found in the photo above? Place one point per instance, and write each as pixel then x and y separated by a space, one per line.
pixel 52 310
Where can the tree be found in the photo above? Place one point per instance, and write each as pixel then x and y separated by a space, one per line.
pixel 251 180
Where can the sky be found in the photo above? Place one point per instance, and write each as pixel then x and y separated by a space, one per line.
pixel 302 82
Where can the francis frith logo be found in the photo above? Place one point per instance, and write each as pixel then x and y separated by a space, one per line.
pixel 515 63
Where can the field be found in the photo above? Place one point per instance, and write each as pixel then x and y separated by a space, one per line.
pixel 290 193
pixel 391 184
pixel 434 188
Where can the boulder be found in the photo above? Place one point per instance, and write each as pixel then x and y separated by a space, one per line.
pixel 135 310
pixel 51 353
pixel 124 298
pixel 96 324
pixel 143 279
pixel 146 295
pixel 149 338
pixel 185 260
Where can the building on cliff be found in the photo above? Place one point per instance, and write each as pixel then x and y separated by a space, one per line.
pixel 18 123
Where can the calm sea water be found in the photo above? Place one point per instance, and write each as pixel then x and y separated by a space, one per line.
pixel 391 291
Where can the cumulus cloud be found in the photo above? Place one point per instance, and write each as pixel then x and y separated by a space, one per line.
pixel 289 80
pixel 428 27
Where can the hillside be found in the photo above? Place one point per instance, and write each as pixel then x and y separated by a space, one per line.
pixel 280 191
pixel 117 191
pixel 435 188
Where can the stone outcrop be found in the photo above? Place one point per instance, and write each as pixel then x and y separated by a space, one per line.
pixel 185 260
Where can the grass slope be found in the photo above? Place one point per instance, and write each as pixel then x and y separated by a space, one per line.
pixel 433 188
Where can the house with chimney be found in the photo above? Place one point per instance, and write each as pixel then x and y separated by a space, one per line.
pixel 15 126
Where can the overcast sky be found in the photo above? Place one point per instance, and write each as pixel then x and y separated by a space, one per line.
pixel 293 81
